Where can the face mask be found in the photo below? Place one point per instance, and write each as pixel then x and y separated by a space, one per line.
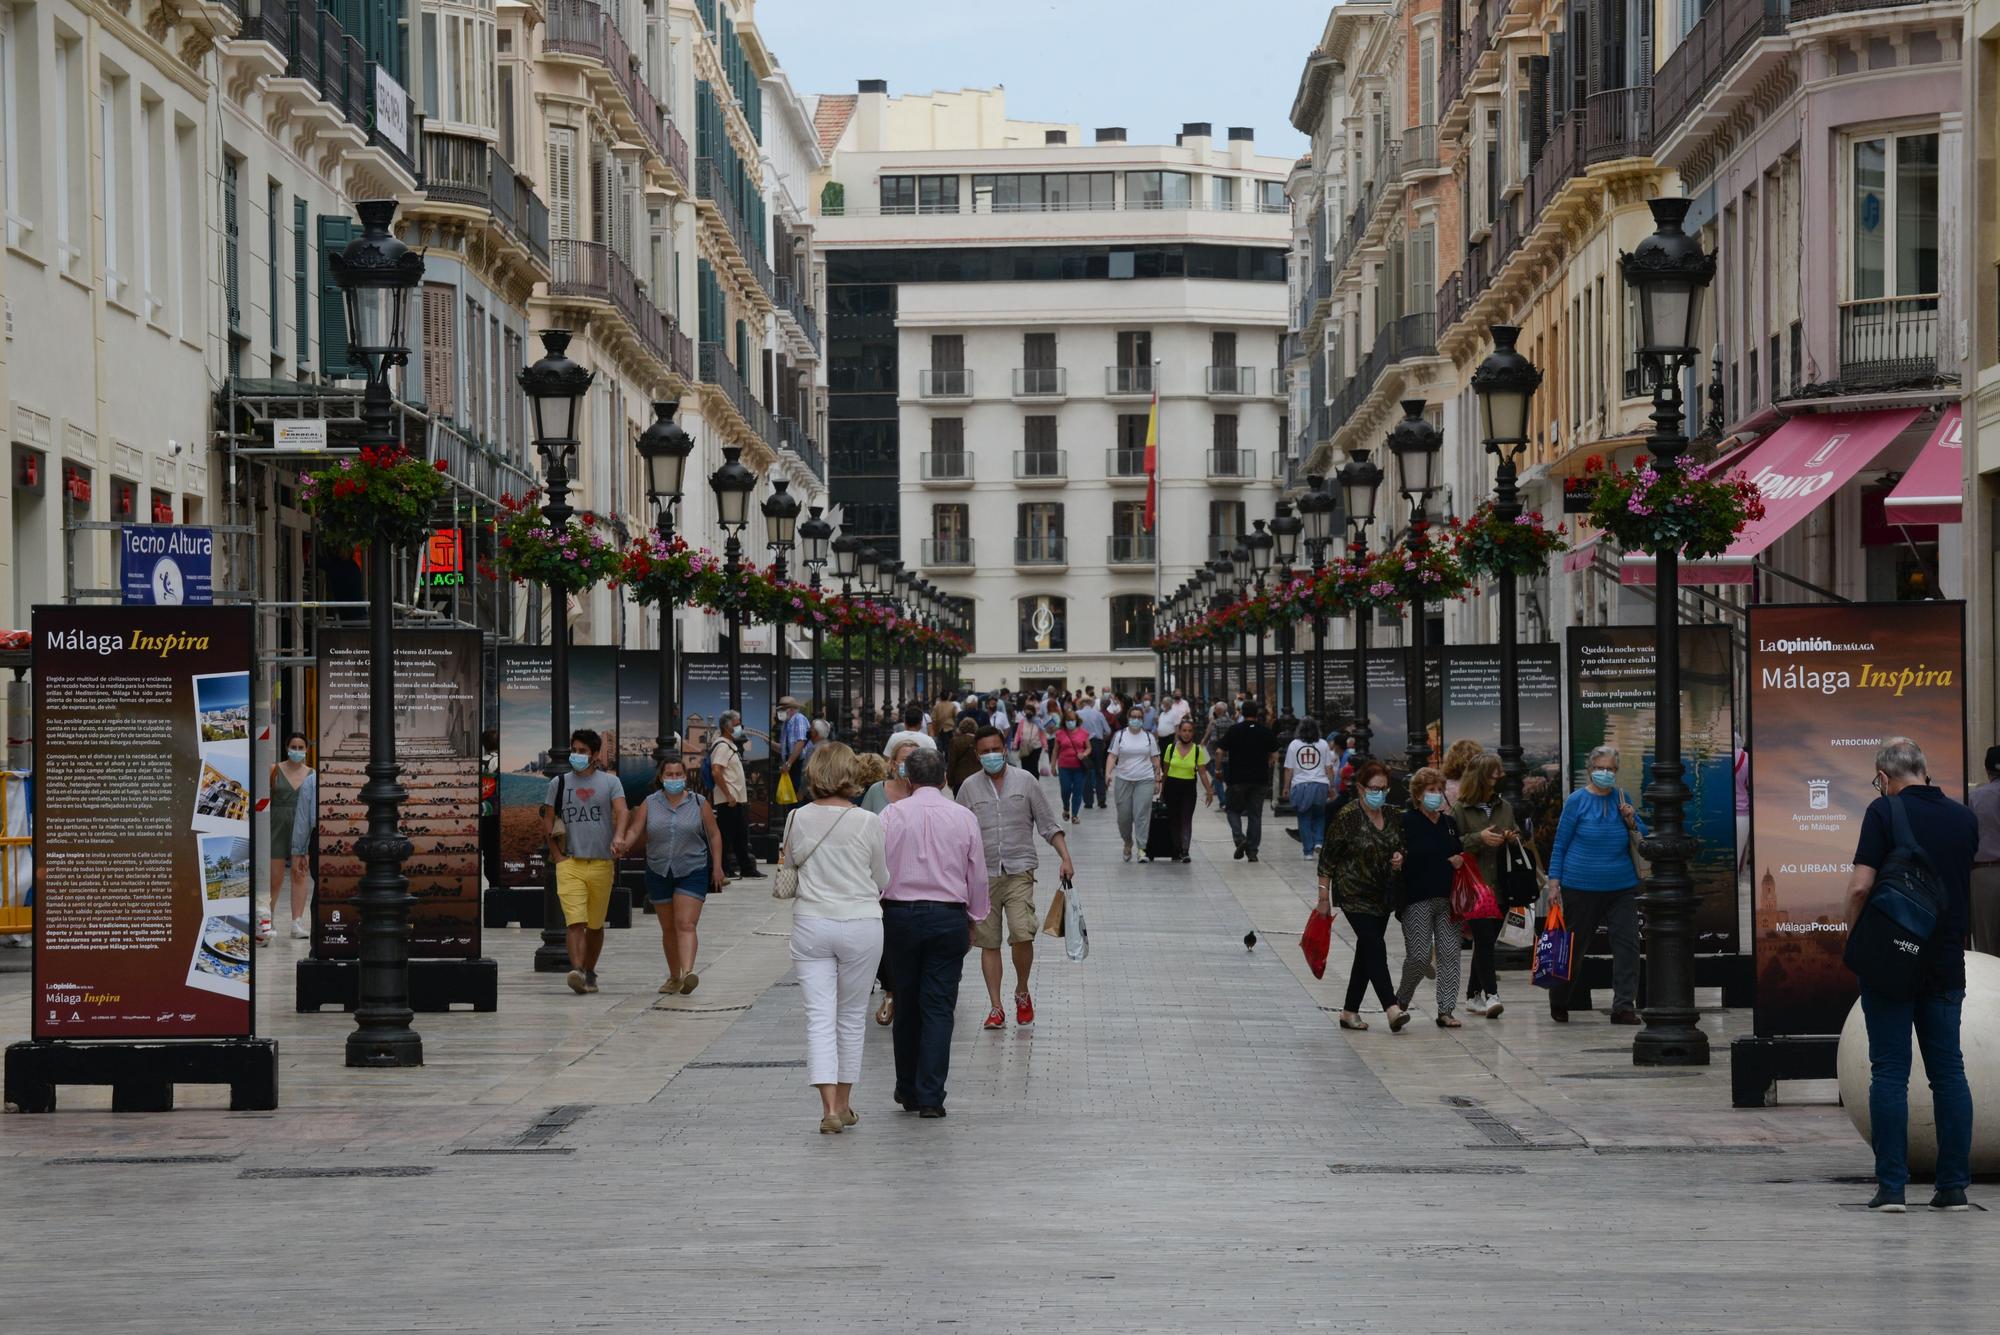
pixel 673 787
pixel 738 735
pixel 1433 801
pixel 993 762
pixel 1137 725
pixel 902 770
pixel 296 756
pixel 578 763
pixel 1604 778
pixel 1374 797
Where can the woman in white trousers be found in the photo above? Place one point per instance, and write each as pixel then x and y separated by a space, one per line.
pixel 836 848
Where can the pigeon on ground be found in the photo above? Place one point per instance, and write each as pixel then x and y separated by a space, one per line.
pixel 1249 940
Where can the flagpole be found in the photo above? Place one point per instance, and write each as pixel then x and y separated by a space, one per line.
pixel 1159 497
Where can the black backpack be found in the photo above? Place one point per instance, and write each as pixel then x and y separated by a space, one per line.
pixel 1886 948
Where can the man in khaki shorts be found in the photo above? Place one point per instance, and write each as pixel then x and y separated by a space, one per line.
pixel 1012 808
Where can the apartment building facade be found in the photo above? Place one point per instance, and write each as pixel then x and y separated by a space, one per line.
pixel 1006 304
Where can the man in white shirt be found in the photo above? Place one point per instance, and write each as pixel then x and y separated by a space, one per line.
pixel 913 730
pixel 997 714
pixel 1171 716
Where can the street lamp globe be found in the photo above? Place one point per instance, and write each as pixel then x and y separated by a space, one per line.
pixel 1316 511
pixel 1416 445
pixel 1239 564
pixel 1360 479
pixel 846 558
pixel 870 569
pixel 554 386
pixel 815 536
pixel 1260 544
pixel 781 514
pixel 1670 272
pixel 377 274
pixel 664 447
pixel 732 484
pixel 1505 383
pixel 1285 530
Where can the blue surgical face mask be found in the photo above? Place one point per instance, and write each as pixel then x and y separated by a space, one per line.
pixel 1604 778
pixel 993 762
pixel 1374 797
pixel 1137 725
pixel 673 787
pixel 296 755
pixel 902 770
pixel 579 762
pixel 1433 801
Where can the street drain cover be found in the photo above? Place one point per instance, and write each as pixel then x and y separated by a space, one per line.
pixel 1427 1170
pixel 1685 1149
pixel 276 1174
pixel 1636 1074
pixel 143 1158
pixel 793 1065
pixel 515 1149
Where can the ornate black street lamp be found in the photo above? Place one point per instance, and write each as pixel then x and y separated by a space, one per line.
pixel 1285 530
pixel 870 579
pixel 1239 586
pixel 732 484
pixel 1316 514
pixel 846 565
pixel 1416 443
pixel 1210 661
pixel 781 523
pixel 1259 545
pixel 1360 478
pixel 664 447
pixel 1221 585
pixel 377 273
pixel 816 541
pixel 1505 383
pixel 1671 273
pixel 555 386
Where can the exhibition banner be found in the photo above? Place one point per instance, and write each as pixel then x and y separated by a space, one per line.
pixel 799 685
pixel 1613 684
pixel 1389 707
pixel 1471 701
pixel 705 694
pixel 1828 683
pixel 437 752
pixel 143 842
pixel 636 730
pixel 524 742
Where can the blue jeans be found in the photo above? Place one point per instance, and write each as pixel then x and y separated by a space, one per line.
pixel 1309 802
pixel 1094 784
pixel 1073 782
pixel 1934 1016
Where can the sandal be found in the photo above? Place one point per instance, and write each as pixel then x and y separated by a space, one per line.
pixel 1357 1023
pixel 887 1013
pixel 1398 1020
pixel 1449 1021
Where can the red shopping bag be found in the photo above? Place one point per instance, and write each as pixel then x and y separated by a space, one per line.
pixel 1471 897
pixel 1316 941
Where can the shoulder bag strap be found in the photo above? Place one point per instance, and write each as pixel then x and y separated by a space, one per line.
pixel 800 864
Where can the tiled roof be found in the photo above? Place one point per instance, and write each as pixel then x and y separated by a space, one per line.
pixel 830 117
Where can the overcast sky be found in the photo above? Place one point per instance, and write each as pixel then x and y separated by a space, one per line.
pixel 1148 66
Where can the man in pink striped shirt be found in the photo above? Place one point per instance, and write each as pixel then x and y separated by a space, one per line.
pixel 937 891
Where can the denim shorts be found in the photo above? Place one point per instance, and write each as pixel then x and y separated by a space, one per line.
pixel 660 889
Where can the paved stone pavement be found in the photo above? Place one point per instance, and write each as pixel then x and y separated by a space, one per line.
pixel 1183 1142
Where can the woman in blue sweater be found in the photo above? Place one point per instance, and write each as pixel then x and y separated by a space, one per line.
pixel 1593 878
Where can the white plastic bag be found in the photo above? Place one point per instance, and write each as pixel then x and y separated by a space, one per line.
pixel 1076 936
pixel 1517 928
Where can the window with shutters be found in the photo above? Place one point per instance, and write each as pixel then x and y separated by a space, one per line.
pixel 496 384
pixel 515 400
pixel 1538 106
pixel 1427 81
pixel 301 286
pixel 562 182
pixel 947 352
pixel 274 198
pixel 1038 439
pixel 190 244
pixel 948 437
pixel 1225 526
pixel 951 524
pixel 334 232
pixel 439 350
pixel 1422 295
pixel 475 367
pixel 1225 442
pixel 231 245
pixel 1038 352
pixel 1222 348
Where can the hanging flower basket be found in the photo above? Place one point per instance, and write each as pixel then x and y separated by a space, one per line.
pixel 669 573
pixel 1671 507
pixel 1486 544
pixel 385 492
pixel 574 557
pixel 1404 574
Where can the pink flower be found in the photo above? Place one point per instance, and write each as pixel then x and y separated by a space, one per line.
pixel 1523 521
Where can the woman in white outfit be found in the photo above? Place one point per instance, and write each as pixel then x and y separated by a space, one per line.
pixel 836 848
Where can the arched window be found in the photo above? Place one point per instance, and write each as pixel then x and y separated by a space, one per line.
pixel 1044 624
pixel 1132 621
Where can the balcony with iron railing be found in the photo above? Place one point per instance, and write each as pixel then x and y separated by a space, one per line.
pixel 1129 549
pixel 947 553
pixel 1125 465
pixel 459 169
pixel 580 28
pixel 757 420
pixel 748 257
pixel 1618 123
pixel 1720 38
pixel 1413 337
pixel 791 302
pixel 1420 148
pixel 945 468
pixel 948 384
pixel 1041 550
pixel 1888 341
pixel 1237 382
pixel 1128 380
pixel 593 272
pixel 794 437
pixel 334 63
pixel 1041 466
pixel 1237 465
pixel 1040 382
pixel 1451 302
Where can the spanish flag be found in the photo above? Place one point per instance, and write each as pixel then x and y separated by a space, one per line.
pixel 1152 458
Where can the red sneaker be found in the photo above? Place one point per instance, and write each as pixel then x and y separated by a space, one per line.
pixel 1024 1009
pixel 996 1019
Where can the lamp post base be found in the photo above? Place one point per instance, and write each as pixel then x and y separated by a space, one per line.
pixel 382 1051
pixel 1670 1042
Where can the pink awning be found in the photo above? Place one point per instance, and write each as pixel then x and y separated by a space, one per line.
pixel 1798 467
pixel 1933 491
pixel 1582 556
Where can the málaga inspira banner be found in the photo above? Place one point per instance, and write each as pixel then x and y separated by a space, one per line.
pixel 143 840
pixel 1828 684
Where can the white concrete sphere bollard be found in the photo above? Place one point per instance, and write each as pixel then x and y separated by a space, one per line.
pixel 1979 1036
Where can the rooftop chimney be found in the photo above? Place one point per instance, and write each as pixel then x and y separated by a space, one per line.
pixel 1055 136
pixel 1110 134
pixel 1242 134
pixel 1195 130
pixel 873 86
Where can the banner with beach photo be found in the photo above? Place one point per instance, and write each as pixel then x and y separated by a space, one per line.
pixel 438 684
pixel 705 694
pixel 524 742
pixel 1828 684
pixel 143 842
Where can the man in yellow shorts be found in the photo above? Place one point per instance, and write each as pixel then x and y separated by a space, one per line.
pixel 1012 809
pixel 592 803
